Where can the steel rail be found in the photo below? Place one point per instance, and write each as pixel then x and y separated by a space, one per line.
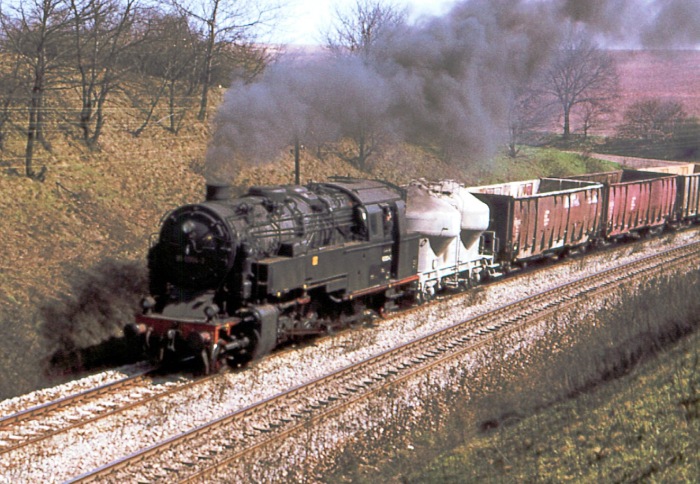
pixel 70 399
pixel 82 397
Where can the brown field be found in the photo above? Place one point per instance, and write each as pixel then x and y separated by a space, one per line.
pixel 668 75
pixel 673 75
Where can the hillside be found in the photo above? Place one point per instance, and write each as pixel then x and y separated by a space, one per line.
pixel 641 428
pixel 73 264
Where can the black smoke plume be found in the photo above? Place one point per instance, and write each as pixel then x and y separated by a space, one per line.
pixel 445 82
pixel 83 328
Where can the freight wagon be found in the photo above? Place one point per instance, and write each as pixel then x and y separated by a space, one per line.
pixel 455 249
pixel 537 218
pixel 638 202
pixel 687 187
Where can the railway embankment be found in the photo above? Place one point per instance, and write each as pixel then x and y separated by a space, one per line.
pixel 531 407
pixel 398 420
pixel 638 420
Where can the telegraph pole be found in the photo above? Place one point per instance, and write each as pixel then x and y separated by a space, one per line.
pixel 297 177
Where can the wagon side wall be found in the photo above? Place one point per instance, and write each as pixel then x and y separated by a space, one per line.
pixel 642 200
pixel 688 197
pixel 534 226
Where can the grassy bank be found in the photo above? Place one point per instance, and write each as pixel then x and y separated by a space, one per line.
pixel 643 423
pixel 642 426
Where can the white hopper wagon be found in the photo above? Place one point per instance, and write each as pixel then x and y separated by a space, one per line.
pixel 455 249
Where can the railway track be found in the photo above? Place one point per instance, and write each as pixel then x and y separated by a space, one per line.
pixel 47 420
pixel 199 453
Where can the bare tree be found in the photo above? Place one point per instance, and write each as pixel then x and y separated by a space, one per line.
pixel 226 24
pixel 652 120
pixel 528 112
pixel 103 37
pixel 591 113
pixel 367 141
pixel 37 31
pixel 580 74
pixel 179 66
pixel 167 66
pixel 359 27
pixel 145 92
pixel 357 31
pixel 10 88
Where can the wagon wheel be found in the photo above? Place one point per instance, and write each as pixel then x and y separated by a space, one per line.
pixel 475 278
pixel 163 358
pixel 216 360
pixel 369 316
pixel 427 294
pixel 360 316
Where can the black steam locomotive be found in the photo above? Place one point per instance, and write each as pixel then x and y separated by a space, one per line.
pixel 232 278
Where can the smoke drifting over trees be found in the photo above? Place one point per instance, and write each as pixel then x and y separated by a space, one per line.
pixel 446 82
pixel 647 23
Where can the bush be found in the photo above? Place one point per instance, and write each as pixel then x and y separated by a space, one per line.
pixel 657 129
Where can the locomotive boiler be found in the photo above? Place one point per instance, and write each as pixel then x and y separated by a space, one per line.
pixel 232 278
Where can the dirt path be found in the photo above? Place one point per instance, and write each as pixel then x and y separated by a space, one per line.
pixel 631 162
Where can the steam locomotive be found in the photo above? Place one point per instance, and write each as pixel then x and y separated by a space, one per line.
pixel 230 279
pixel 233 278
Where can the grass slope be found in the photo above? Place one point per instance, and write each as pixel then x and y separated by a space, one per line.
pixel 643 426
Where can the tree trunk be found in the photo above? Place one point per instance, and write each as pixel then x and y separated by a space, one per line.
pixel 361 155
pixel 204 101
pixel 32 131
pixel 297 163
pixel 512 150
pixel 84 123
pixel 99 121
pixel 206 78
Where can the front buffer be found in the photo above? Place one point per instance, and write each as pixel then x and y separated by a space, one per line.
pixel 209 342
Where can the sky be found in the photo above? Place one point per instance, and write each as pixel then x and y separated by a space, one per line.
pixel 307 18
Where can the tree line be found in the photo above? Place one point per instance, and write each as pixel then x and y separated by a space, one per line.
pixel 87 51
pixel 164 56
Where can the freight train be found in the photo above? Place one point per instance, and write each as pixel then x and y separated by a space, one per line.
pixel 233 278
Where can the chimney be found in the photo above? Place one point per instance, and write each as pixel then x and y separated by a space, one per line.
pixel 218 191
